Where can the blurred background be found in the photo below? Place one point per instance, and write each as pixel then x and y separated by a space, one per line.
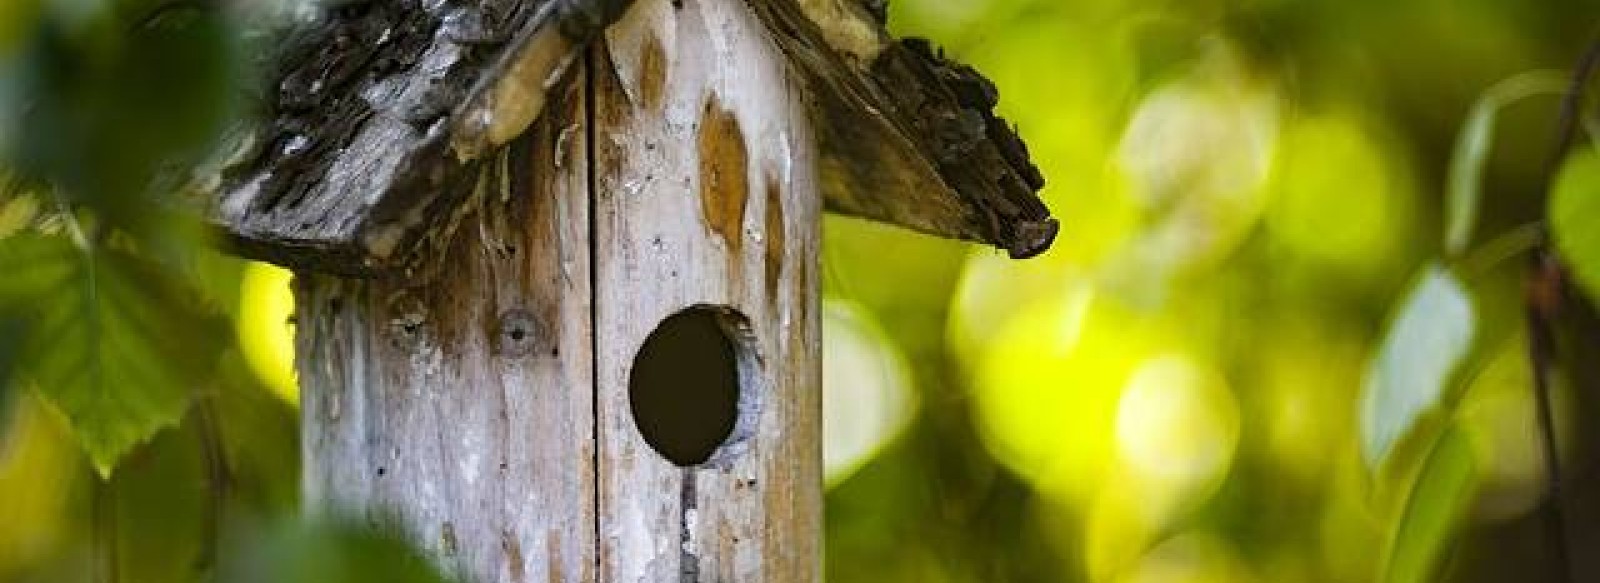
pixel 1268 347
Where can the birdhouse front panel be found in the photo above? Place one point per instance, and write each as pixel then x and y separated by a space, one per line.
pixel 707 203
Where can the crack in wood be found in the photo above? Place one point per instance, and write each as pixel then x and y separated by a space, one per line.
pixel 689 558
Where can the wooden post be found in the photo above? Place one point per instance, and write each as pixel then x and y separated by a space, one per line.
pixel 487 407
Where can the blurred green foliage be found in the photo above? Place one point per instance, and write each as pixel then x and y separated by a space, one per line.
pixel 89 348
pixel 1226 370
pixel 1280 340
pixel 1574 206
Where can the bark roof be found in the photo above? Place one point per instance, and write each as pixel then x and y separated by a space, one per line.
pixel 378 108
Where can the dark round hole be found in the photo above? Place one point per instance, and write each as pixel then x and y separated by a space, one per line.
pixel 684 387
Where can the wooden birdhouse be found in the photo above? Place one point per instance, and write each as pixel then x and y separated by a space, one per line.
pixel 558 264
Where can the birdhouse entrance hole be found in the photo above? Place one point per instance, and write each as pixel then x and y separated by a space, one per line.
pixel 690 387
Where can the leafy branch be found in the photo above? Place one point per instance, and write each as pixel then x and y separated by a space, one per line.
pixel 1430 338
pixel 1545 291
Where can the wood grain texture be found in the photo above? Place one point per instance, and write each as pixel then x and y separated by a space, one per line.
pixel 458 405
pixel 706 194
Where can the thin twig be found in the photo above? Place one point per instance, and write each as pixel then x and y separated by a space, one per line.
pixel 1507 246
pixel 1545 291
pixel 1542 305
pixel 103 519
pixel 218 480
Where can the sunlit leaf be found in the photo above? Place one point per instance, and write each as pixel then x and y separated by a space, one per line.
pixel 114 344
pixel 1433 511
pixel 1574 206
pixel 1473 147
pixel 1425 343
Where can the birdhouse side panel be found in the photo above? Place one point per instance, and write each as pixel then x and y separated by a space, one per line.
pixel 457 404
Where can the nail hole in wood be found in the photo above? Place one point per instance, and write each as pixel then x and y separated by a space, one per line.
pixel 516 334
pixel 691 386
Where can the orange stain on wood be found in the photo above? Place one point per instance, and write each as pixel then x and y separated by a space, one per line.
pixel 775 238
pixel 553 556
pixel 513 551
pixel 724 174
pixel 652 73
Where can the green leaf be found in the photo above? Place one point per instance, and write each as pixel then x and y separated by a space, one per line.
pixel 1425 343
pixel 260 434
pixel 113 343
pixel 10 330
pixel 1433 512
pixel 164 510
pixel 1466 176
pixel 1465 194
pixel 103 111
pixel 300 553
pixel 1574 207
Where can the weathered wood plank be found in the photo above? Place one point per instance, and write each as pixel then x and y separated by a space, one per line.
pixel 458 405
pixel 706 194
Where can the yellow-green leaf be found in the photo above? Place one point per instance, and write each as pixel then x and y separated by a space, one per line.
pixel 1431 517
pixel 1473 146
pixel 114 343
pixel 1574 210
pixel 1425 344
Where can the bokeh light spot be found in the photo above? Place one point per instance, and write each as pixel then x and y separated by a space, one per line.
pixel 1177 424
pixel 867 398
pixel 1048 385
pixel 1196 157
pixel 1340 201
pixel 266 334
